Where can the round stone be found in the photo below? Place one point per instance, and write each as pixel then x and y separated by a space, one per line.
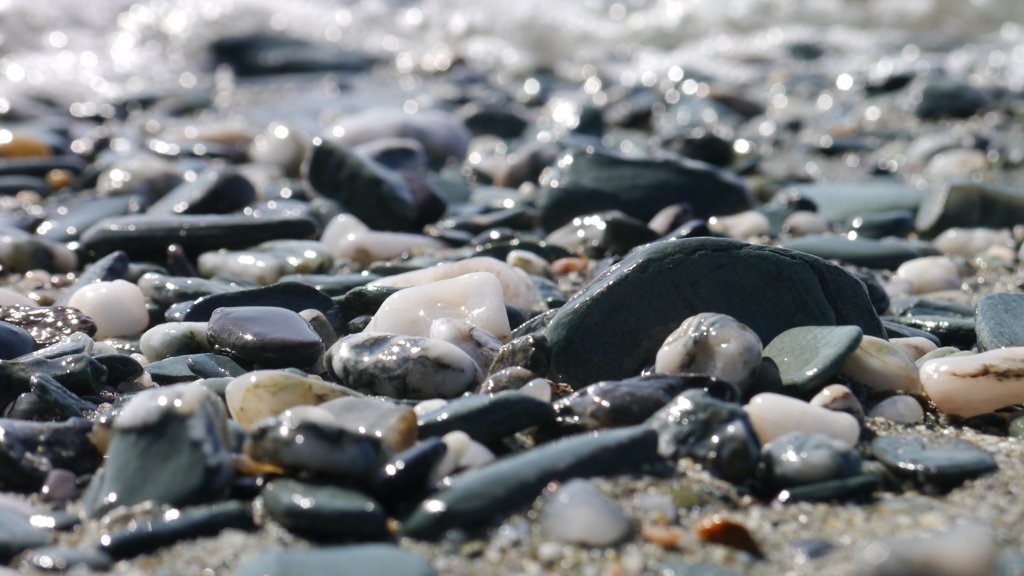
pixel 265 335
pixel 118 308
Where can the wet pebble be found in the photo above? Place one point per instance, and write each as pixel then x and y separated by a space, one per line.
pixel 578 513
pixel 713 344
pixel 265 335
pixel 324 513
pixel 902 409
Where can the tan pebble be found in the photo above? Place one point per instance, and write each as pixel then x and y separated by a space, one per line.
pixel 564 266
pixel 58 179
pixel 915 347
pixel 668 537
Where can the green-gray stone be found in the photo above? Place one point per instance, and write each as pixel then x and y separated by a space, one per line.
pixel 809 356
pixel 950 330
pixel 590 181
pixel 1016 429
pixel 944 463
pixel 486 418
pixel 59 398
pixel 324 513
pixel 530 351
pixel 967 204
pixel 838 202
pixel 214 366
pixel 613 328
pixel 171 370
pixel 357 560
pixel 860 486
pixel 1000 321
pixel 17 534
pixel 476 496
pixel 867 253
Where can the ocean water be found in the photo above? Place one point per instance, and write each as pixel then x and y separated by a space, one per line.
pixel 104 49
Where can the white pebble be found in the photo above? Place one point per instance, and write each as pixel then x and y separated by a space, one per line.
pixel 427 406
pixel 538 388
pixel 880 365
pixel 339 227
pixel 118 308
pixel 714 344
pixel 475 298
pixel 741 226
pixel 370 246
pixel 528 261
pixel 968 549
pixel 774 415
pixel 578 513
pixel 840 399
pixel 265 393
pixel 516 286
pixel 803 222
pixel 914 347
pixel 902 409
pixel 929 274
pixel 975 384
pixel 9 297
pixel 479 344
pixel 968 242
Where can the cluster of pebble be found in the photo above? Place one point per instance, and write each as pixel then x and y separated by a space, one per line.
pixel 411 326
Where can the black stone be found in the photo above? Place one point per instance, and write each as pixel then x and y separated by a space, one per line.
pixel 212 192
pixel 487 418
pixel 404 480
pixel 860 487
pixel 798 459
pixel 861 252
pixel 50 324
pixel 14 341
pixel 585 182
pixel 29 450
pixel 214 366
pixel 168 290
pixel 144 537
pixel 947 99
pixel 604 233
pixel 613 328
pixel 263 54
pixel 949 330
pixel 363 300
pixel 531 352
pixel 265 335
pixel 289 295
pixel 66 221
pixel 882 224
pixel 968 204
pixel 59 559
pixel 58 398
pixel 332 284
pixel 113 266
pixel 324 513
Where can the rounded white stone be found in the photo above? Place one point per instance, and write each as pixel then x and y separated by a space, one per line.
pixel 881 365
pixel 803 222
pixel 427 406
pixel 578 513
pixel 265 393
pixel 914 347
pixel 969 242
pixel 9 297
pixel 710 343
pixel 479 344
pixel 741 226
pixel 902 409
pixel 368 246
pixel 538 388
pixel 118 308
pixel 929 274
pixel 840 399
pixel 774 415
pixel 516 286
pixel 528 261
pixel 975 384
pixel 340 226
pixel 158 342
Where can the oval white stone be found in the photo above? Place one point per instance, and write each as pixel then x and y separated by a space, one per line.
pixel 929 274
pixel 479 344
pixel 975 384
pixel 774 415
pixel 914 347
pixel 118 308
pixel 902 409
pixel 741 226
pixel 969 242
pixel 516 286
pixel 840 399
pixel 369 246
pixel 710 343
pixel 578 513
pixel 881 365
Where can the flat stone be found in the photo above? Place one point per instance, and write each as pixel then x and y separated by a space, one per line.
pixel 213 191
pixel 406 478
pixel 59 559
pixel 797 459
pixel 809 357
pixel 1000 321
pixel 332 284
pixel 950 331
pixel 17 534
pixel 965 204
pixel 30 450
pixel 357 560
pixel 861 252
pixel 265 335
pixel 267 393
pixel 944 464
pixel 578 513
pixel 48 325
pixel 476 496
pixel 166 528
pixel 288 295
pixel 840 201
pixel 392 423
pixel 324 513
pixel 612 328
pixel 169 290
pixel 590 181
pixel 487 419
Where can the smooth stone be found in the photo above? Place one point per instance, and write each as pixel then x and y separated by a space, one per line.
pixel 324 513
pixel 533 264
pixel 174 525
pixel 24 252
pixel 213 366
pixel 169 445
pixel 174 339
pixel 357 560
pixel 265 335
pixel 897 330
pixel 804 223
pixel 610 329
pixel 171 370
pixel 929 274
pixel 266 263
pixel 741 226
pixel 66 220
pixel 946 98
pixel 881 365
pixel 516 286
pixel 531 352
pixel 368 246
pixel 392 423
pixel 948 330
pixel 405 480
pixel 367 190
pixel 475 297
pixel 477 343
pixel 966 204
pixel 859 252
pixel 59 559
pixel 281 146
pixel 58 398
pixel 463 454
pixel 967 549
pixel 487 418
pixel 288 295
pixel 945 463
pixel 48 325
pixel 321 325
pixel 840 201
pixel 212 191
pixel 304 445
pixel 860 487
pixel 774 415
pixel 9 297
pixel 617 403
pixel 977 383
pixel 592 180
pixel 169 290
pixel 938 353
pixel 403 366
pixel 267 393
pixel 915 347
pixel 14 341
pixel 968 242
pixel 796 459
pixel 403 154
pixel 717 435
pixel 442 135
pixel 809 357
pixel 881 224
pixel 840 399
pixel 79 373
pixel 30 450
pixel 143 237
pixel 1000 321
pixel 18 534
pixel 578 513
pixel 113 266
pixel 713 344
pixel 118 308
pixel 604 233
pixel 512 378
pixel 261 54
pixel 901 409
pixel 60 485
pixel 476 496
pixel 364 301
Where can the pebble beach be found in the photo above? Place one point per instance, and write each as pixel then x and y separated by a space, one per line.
pixel 657 287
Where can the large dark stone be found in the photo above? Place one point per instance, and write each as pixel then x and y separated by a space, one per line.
pixel 585 182
pixel 1000 321
pixel 612 329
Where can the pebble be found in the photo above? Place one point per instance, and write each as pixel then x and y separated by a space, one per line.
pixel 266 393
pixel 742 226
pixel 902 409
pixel 516 286
pixel 719 530
pixel 265 335
pixel 841 399
pixel 929 274
pixel 915 348
pixel 887 255
pixel 174 339
pixel 30 450
pixel 358 560
pixel 403 366
pixel 773 415
pixel 324 513
pixel 392 423
pixel 975 384
pixel 967 549
pixel 797 459
pixel 487 418
pixel 881 365
pixel 162 529
pixel 17 534
pixel 968 242
pixel 578 513
pixel 713 344
pixel 945 464
pixel 118 308
pixel 48 325
pixel 475 298
pixel 15 341
pixel 805 222
pixel 998 321
pixel 809 357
